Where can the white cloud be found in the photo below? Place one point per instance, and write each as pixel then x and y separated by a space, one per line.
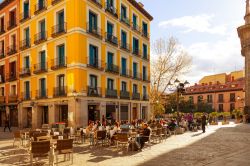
pixel 200 23
pixel 215 57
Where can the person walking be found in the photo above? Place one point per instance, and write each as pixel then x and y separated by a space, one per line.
pixel 203 122
pixel 7 123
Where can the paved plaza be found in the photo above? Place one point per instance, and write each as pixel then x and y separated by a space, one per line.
pixel 227 145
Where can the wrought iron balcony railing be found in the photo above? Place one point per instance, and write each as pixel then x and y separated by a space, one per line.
pixel 40 68
pixel 94 91
pixel 95 63
pixel 59 29
pixel 124 46
pixel 111 9
pixel 136 96
pixel 97 3
pixel 12 24
pixel 2 54
pixel 40 37
pixel 2 99
pixel 145 97
pixel 145 78
pixel 58 63
pixel 12 76
pixel 40 7
pixel 25 16
pixel 124 95
pixel 26 96
pixel 54 2
pixel 24 44
pixel 11 49
pixel 136 76
pixel 2 78
pixel 136 27
pixel 2 29
pixel 125 20
pixel 25 72
pixel 111 39
pixel 111 68
pixel 125 73
pixel 111 93
pixel 42 94
pixel 13 98
pixel 60 91
pixel 95 31
pixel 136 52
pixel 145 34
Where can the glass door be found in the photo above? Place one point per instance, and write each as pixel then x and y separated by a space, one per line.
pixel 124 66
pixel 43 60
pixel 61 21
pixel 61 55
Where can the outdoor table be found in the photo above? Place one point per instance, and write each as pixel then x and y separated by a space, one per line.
pixel 43 138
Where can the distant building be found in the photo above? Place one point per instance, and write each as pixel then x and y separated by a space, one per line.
pixel 224 92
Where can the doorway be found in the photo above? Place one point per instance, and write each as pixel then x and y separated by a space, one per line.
pixel 93 113
pixel 63 114
pixel 29 117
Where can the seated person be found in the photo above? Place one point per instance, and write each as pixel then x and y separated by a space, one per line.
pixel 144 137
pixel 172 125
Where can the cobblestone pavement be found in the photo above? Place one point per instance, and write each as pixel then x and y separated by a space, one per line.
pixel 227 145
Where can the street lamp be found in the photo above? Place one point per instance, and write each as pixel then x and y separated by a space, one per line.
pixel 180 88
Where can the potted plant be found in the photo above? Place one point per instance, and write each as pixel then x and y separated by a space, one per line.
pixel 225 118
pixel 214 116
pixel 238 115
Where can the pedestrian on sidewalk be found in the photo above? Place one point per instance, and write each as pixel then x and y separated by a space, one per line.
pixel 203 122
pixel 7 123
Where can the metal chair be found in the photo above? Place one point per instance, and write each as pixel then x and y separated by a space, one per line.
pixel 39 149
pixel 64 147
pixel 123 139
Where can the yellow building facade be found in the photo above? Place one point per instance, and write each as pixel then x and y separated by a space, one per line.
pixel 83 60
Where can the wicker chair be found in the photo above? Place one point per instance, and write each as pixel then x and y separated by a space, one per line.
pixel 39 149
pixel 101 136
pixel 123 139
pixel 64 147
pixel 17 137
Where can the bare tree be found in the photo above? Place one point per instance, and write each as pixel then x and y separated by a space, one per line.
pixel 170 61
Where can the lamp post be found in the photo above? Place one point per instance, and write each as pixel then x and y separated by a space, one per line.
pixel 75 100
pixel 180 88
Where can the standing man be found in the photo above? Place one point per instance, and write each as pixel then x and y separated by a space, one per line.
pixel 7 123
pixel 203 123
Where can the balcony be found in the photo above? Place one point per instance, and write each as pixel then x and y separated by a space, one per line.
pixel 94 31
pixel 111 39
pixel 110 93
pixel 111 68
pixel 40 7
pixel 2 29
pixel 2 55
pixel 221 101
pixel 136 96
pixel 42 94
pixel 145 79
pixel 124 95
pixel 136 76
pixel 145 56
pixel 111 10
pixel 59 29
pixel 145 34
pixel 40 37
pixel 12 24
pixel 11 50
pixel 136 28
pixel 25 96
pixel 95 64
pixel 98 3
pixel 125 21
pixel 24 16
pixel 94 91
pixel 12 76
pixel 25 72
pixel 13 98
pixel 136 52
pixel 2 99
pixel 25 44
pixel 58 63
pixel 125 73
pixel 124 46
pixel 232 100
pixel 60 91
pixel 145 98
pixel 54 2
pixel 40 68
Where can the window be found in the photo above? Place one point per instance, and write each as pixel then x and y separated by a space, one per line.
pixel 221 108
pixel 232 97
pixel 110 29
pixel 135 46
pixel 123 12
pixel 41 4
pixel 144 73
pixel 2 48
pixel 42 29
pixel 135 88
pixel 199 99
pixel 27 89
pixel 124 66
pixel 2 29
pixel 144 89
pixel 92 22
pixel 93 81
pixel 110 3
pixel 60 21
pixel 42 60
pixel 13 90
pixel 12 69
pixel 209 98
pixel 61 55
pixel 145 51
pixel 27 62
pixel 124 39
pixel 221 98
pixel 93 56
pixel 145 29
pixel 12 16
pixel 110 85
pixel 135 70
pixel 25 9
pixel 134 21
pixel 27 36
pixel 124 86
pixel 110 59
pixel 42 87
pixel 61 84
pixel 13 41
pixel 191 99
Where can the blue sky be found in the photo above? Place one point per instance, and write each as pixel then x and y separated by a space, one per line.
pixel 205 28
